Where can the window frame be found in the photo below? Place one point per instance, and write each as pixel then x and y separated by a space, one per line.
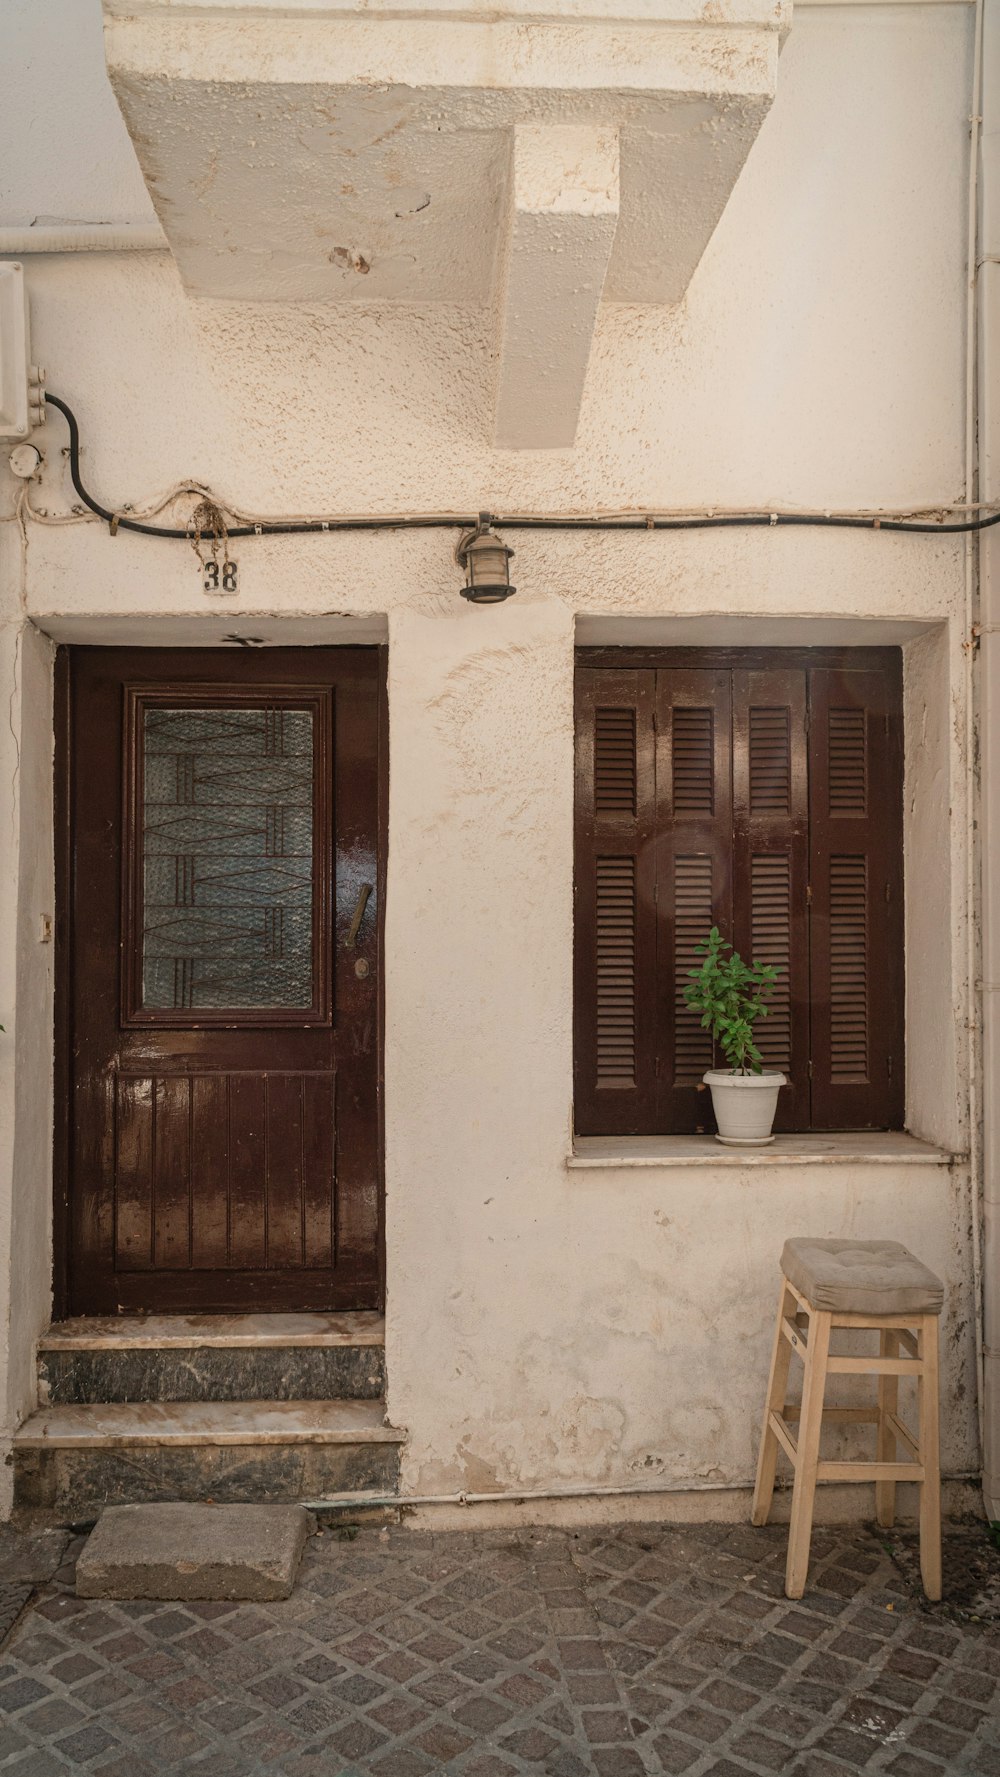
pixel 652 1115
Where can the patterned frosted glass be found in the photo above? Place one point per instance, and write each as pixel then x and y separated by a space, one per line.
pixel 227 825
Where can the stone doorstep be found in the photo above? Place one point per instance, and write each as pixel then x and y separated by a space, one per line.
pixel 136 1424
pixel 158 1332
pixel 181 1551
pixel 71 1462
pixel 70 1485
pixel 230 1409
pixel 236 1357
pixel 94 1374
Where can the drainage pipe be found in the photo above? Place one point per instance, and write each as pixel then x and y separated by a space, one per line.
pixel 987 275
pixel 83 237
pixel 973 861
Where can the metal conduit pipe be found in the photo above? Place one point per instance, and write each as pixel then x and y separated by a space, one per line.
pixel 987 275
pixel 83 237
pixel 513 1496
pixel 366 1502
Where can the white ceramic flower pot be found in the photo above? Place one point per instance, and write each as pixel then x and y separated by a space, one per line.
pixel 744 1106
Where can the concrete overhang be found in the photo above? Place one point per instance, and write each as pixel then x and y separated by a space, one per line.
pixel 538 158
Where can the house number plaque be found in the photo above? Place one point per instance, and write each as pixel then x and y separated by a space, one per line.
pixel 220 576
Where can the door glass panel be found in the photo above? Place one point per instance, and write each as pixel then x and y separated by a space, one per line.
pixel 227 835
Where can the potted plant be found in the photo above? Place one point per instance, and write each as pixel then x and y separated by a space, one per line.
pixel 730 995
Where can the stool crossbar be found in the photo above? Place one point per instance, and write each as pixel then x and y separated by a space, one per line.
pixel 908 1347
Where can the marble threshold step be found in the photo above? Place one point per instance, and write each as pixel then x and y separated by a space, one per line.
pixel 139 1332
pixel 206 1357
pixel 73 1460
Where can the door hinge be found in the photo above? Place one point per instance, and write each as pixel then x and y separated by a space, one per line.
pixel 888 1065
pixel 809 894
pixel 809 1067
pixel 888 892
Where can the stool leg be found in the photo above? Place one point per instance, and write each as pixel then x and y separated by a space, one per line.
pixel 888 1402
pixel 810 1423
pixel 767 1456
pixel 930 1456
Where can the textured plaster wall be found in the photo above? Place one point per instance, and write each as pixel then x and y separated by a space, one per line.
pixel 546 1326
pixel 25 999
pixel 31 1211
pixel 10 577
pixel 937 934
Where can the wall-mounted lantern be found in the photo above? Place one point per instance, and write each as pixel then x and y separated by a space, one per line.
pixel 486 560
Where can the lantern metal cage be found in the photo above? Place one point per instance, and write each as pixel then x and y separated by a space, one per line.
pixel 486 559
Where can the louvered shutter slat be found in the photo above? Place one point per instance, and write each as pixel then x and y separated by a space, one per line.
pixel 857 909
pixel 770 761
pixel 771 942
pixel 692 761
pixel 770 864
pixel 614 761
pixel 848 762
pixel 615 934
pixel 694 852
pixel 615 984
pixel 692 919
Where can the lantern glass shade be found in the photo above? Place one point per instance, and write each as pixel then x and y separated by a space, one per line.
pixel 487 568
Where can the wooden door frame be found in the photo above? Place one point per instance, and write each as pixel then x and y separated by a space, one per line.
pixel 63 814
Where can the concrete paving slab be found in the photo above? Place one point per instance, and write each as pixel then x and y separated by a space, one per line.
pixel 181 1551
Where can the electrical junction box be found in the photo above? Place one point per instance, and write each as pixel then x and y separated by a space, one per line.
pixel 22 404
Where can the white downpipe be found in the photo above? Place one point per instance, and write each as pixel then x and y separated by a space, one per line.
pixel 987 277
pixel 83 237
pixel 973 856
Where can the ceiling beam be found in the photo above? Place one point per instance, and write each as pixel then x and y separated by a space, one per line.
pixel 562 216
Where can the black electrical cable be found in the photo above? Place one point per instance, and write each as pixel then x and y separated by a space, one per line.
pixel 270 528
pixel 278 528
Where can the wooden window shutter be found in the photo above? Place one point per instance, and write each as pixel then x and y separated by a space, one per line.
pixel 615 933
pixel 694 871
pixel 771 866
pixel 856 816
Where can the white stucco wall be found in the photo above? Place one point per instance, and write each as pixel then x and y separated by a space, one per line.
pixel 551 1327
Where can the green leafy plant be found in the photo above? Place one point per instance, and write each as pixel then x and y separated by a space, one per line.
pixel 730 995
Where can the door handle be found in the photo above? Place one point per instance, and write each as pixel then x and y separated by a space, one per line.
pixel 359 914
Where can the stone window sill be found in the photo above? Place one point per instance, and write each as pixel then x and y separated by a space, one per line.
pixel 611 1152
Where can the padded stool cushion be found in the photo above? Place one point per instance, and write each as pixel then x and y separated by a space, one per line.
pixel 861 1277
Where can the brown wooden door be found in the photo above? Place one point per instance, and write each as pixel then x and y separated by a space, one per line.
pixel 222 942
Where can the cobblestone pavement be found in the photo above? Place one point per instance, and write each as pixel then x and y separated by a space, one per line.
pixel 600 1653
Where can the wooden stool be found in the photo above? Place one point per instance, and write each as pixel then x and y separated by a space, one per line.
pixel 827 1284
